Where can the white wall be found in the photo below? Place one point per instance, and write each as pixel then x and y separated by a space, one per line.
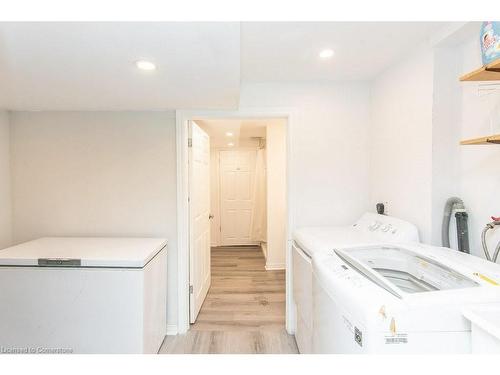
pixel 445 138
pixel 96 174
pixel 401 141
pixel 276 198
pixel 5 182
pixel 328 163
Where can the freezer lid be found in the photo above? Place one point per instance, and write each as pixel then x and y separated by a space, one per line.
pixel 402 271
pixel 83 252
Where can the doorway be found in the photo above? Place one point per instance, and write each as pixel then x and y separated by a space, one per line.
pixel 248 222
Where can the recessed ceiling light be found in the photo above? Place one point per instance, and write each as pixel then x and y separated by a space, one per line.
pixel 326 53
pixel 230 144
pixel 229 134
pixel 145 65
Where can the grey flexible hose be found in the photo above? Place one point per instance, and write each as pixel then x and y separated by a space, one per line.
pixel 485 245
pixel 497 251
pixel 483 241
pixel 445 227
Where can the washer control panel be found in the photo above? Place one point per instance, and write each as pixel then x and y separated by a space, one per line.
pixel 387 228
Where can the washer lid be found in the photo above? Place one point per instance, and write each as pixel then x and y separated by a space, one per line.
pixel 397 270
pixel 83 252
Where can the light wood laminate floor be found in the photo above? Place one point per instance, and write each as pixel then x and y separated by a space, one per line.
pixel 244 311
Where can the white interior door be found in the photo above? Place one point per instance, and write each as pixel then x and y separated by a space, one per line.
pixel 199 221
pixel 237 169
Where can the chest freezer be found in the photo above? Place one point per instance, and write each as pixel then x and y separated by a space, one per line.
pixel 83 295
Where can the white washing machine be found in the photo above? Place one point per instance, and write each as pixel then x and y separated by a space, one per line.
pixel 83 295
pixel 370 228
pixel 398 299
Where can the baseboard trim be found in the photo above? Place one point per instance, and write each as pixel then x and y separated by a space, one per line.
pixel 275 267
pixel 263 246
pixel 172 330
pixel 244 245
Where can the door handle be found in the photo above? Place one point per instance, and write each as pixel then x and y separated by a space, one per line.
pixel 210 217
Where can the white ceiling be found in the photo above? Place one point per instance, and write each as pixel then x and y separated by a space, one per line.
pixel 243 132
pixel 90 66
pixel 64 66
pixel 288 51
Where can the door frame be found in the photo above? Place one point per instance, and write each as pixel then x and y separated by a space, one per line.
pixel 182 136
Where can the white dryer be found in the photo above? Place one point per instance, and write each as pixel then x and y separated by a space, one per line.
pixel 370 228
pixel 398 299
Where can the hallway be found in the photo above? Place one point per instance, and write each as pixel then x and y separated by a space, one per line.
pixel 244 311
